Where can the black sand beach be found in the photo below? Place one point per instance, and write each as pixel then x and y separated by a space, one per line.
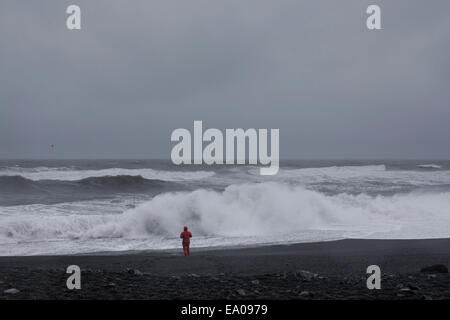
pixel 327 270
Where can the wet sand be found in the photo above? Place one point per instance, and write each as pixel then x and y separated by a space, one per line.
pixel 327 270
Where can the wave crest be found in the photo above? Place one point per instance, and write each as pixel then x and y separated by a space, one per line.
pixel 272 208
pixel 256 210
pixel 430 166
pixel 67 174
pixel 15 190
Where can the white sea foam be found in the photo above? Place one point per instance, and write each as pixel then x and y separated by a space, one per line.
pixel 241 214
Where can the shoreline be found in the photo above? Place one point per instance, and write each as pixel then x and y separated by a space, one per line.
pixel 250 248
pixel 334 270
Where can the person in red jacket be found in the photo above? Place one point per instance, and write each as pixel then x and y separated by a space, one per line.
pixel 186 236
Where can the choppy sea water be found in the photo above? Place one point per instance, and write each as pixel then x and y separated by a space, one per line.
pixel 62 207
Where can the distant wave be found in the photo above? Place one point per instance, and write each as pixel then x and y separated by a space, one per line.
pixel 333 170
pixel 69 174
pixel 119 181
pixel 14 183
pixel 430 166
pixel 8 182
pixel 363 178
pixel 15 190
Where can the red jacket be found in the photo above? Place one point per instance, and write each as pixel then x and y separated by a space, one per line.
pixel 186 236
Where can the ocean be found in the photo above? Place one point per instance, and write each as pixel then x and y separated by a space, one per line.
pixel 87 206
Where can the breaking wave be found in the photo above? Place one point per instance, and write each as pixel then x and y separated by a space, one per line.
pixel 250 210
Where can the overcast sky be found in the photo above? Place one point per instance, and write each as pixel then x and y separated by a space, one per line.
pixel 140 69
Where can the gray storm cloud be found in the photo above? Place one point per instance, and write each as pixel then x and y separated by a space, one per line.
pixel 139 69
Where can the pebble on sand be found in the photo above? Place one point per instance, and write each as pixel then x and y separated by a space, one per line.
pixel 407 290
pixel 306 294
pixel 241 292
pixel 11 291
pixel 194 275
pixel 307 275
pixel 135 272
